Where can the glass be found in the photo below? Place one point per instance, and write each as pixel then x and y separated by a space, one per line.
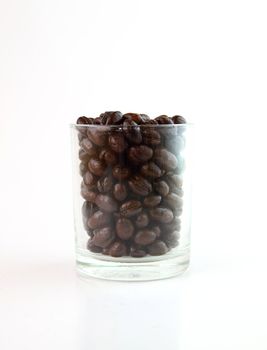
pixel 132 200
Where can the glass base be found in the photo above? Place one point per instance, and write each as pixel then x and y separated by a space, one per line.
pixel 132 269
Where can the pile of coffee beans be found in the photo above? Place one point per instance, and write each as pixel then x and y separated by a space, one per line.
pixel 132 186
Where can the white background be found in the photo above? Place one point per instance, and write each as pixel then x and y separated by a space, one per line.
pixel 203 59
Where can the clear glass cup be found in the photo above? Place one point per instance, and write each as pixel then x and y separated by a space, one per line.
pixel 132 200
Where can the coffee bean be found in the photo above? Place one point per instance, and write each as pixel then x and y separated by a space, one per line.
pixel 140 154
pixel 165 159
pixel 145 237
pixel 142 220
pixel 164 119
pixel 83 156
pixel 133 117
pixel 120 192
pixel 117 142
pixel 83 168
pixel 157 248
pixel 150 136
pixel 103 237
pixel 97 136
pixel 152 201
pixel 132 131
pixel 93 248
pixel 161 187
pixel 106 203
pixel 144 118
pixel 87 194
pixel 174 180
pixel 120 173
pixel 157 230
pixel 161 215
pixel 151 169
pixel 174 225
pixel 105 184
pixel 137 252
pixel 178 119
pixel 139 185
pixel 172 239
pixel 111 118
pixel 117 249
pixel 87 209
pixel 96 166
pixel 88 147
pixel 130 208
pixel 124 228
pixel 83 121
pixel 173 201
pixel 108 156
pixel 89 180
pixel 99 219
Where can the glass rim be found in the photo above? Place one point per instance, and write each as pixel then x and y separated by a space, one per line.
pixel 185 125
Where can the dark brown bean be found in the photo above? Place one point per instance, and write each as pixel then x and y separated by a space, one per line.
pixel 150 136
pixel 151 169
pixel 139 185
pixel 83 156
pixel 157 230
pixel 142 220
pixel 157 248
pixel 124 228
pixel 120 192
pixel 83 168
pixel 93 248
pixel 111 118
pixel 89 180
pixel 173 201
pixel 96 166
pixel 130 208
pixel 88 147
pixel 137 252
pixel 161 215
pixel 145 237
pixel 165 159
pixel 161 187
pixel 98 135
pixel 152 201
pixel 87 209
pixel 164 119
pixel 108 156
pixel 105 184
pixel 87 194
pixel 132 131
pixel 174 180
pixel 175 225
pixel 83 121
pixel 120 173
pixel 140 154
pixel 118 249
pixel 117 142
pixel 106 203
pixel 178 119
pixel 172 239
pixel 103 237
pixel 99 219
pixel 134 117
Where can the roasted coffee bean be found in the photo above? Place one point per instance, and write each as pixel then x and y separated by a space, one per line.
pixel 157 248
pixel 83 156
pixel 108 156
pixel 172 239
pixel 99 219
pixel 89 180
pixel 124 228
pixel 150 122
pixel 132 131
pixel 97 121
pixel 120 192
pixel 139 185
pixel 81 137
pixel 145 237
pixel 97 136
pixel 174 180
pixel 157 230
pixel 161 187
pixel 152 201
pixel 178 191
pixel 120 173
pixel 105 184
pixel 164 119
pixel 106 203
pixel 151 169
pixel 165 159
pixel 88 147
pixel 178 119
pixel 87 194
pixel 93 248
pixel 117 142
pixel 83 121
pixel 87 209
pixel 140 154
pixel 130 208
pixel 83 168
pixel 144 118
pixel 175 225
pixel 173 201
pixel 117 249
pixel 150 136
pixel 137 252
pixel 142 220
pixel 103 237
pixel 134 117
pixel 96 166
pixel 111 118
pixel 161 215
